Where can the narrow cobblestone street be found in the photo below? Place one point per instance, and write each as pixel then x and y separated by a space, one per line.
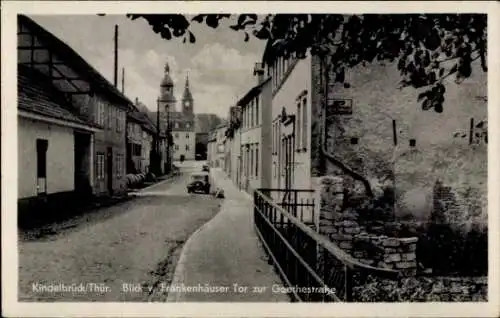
pixel 138 243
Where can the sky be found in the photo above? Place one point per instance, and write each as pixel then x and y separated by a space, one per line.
pixel 220 64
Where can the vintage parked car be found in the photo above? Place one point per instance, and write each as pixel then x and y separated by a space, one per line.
pixel 200 182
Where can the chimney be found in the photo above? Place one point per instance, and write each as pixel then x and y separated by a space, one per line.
pixel 259 72
pixel 115 69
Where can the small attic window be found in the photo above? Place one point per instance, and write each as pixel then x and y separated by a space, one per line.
pixel 413 142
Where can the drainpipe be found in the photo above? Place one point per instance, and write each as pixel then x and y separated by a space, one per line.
pixel 323 149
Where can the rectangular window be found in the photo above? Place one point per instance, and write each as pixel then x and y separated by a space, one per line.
pixel 109 109
pixel 277 143
pixel 251 160
pixel 304 124
pixel 187 135
pixel 117 120
pixel 99 113
pixel 299 119
pixel 176 147
pixel 118 163
pixel 272 138
pixel 100 166
pixel 257 160
pixel 246 117
pixel 123 121
pixel 187 147
pixel 257 119
pixel 251 115
pixel 103 114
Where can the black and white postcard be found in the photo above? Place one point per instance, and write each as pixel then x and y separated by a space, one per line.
pixel 250 158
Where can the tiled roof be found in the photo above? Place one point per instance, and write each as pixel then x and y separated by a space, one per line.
pixel 37 95
pixel 74 60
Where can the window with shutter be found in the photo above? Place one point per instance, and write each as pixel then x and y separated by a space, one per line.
pixel 257 160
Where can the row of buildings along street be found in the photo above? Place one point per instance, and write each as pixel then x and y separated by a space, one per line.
pixel 395 189
pixel 84 146
pixel 325 189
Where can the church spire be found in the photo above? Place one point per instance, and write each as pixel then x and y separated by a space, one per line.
pixel 167 68
pixel 187 91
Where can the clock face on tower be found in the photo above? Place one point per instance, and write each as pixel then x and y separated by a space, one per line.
pixel 186 103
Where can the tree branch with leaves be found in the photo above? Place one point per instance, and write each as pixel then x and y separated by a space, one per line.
pixel 428 48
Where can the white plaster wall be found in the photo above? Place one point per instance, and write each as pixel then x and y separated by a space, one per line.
pixel 181 140
pixel 235 155
pixel 253 136
pixel 298 80
pixel 60 157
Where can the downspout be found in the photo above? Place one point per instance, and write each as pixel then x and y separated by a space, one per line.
pixel 344 167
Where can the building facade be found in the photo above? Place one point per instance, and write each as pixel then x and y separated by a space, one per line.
pixel 211 147
pixel 217 147
pixel 141 135
pixel 235 143
pixel 47 128
pixel 373 133
pixel 255 141
pixel 92 97
pixel 180 124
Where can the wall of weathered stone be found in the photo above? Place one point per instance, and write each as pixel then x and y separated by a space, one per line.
pixel 364 142
pixel 342 226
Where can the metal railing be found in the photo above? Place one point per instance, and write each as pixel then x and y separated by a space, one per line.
pixel 298 202
pixel 313 268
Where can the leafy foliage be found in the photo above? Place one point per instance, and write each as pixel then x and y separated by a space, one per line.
pixel 427 47
pixel 421 289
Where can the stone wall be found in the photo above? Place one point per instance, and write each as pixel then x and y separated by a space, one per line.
pixel 430 148
pixel 364 140
pixel 387 252
pixel 342 226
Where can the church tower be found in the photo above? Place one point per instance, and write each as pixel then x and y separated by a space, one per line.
pixel 167 98
pixel 187 101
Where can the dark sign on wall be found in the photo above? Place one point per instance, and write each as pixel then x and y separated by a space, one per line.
pixel 339 107
pixel 336 107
